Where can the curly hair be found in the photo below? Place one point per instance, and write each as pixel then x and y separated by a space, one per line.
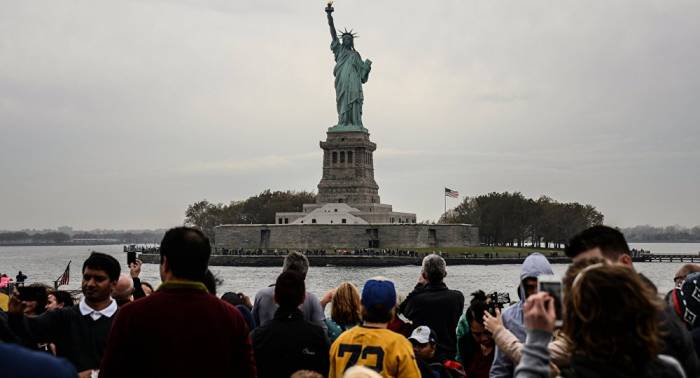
pixel 611 315
pixel 346 307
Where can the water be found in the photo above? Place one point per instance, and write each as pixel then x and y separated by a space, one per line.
pixel 45 264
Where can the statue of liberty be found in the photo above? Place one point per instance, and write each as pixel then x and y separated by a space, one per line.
pixel 350 73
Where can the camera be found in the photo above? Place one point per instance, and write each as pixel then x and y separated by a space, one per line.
pixel 497 300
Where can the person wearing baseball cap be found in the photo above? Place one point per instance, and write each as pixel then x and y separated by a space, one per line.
pixel 424 345
pixel 371 344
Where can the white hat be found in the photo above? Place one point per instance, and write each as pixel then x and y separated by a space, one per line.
pixel 423 335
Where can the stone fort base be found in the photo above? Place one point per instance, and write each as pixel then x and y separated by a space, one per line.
pixel 345 236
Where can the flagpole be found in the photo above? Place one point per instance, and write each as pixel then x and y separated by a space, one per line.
pixel 445 198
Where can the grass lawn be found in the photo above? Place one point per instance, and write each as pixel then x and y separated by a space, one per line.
pixel 496 251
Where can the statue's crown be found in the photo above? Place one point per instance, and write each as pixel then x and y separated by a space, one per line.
pixel 346 32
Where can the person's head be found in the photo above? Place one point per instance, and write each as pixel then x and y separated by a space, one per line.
pixel 612 315
pixel 100 276
pixel 434 268
pixel 475 319
pixel 290 290
pixel 535 265
pixel 306 374
pixel 424 342
pixel 683 272
pixel 359 371
pixel 59 299
pixel 124 288
pixel 212 281
pixel 234 299
pixel 686 302
pixel 600 241
pixel 297 262
pixel 345 305
pixel 147 288
pixel 378 300
pixel 37 305
pixel 184 254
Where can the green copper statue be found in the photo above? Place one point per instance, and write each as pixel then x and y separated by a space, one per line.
pixel 350 73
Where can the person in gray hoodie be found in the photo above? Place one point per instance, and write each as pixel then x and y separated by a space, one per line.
pixel 534 266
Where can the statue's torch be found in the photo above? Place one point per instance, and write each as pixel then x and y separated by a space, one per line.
pixel 329 6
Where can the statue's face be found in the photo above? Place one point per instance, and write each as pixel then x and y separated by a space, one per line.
pixel 347 40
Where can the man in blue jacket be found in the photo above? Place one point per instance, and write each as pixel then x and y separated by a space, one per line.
pixel 534 266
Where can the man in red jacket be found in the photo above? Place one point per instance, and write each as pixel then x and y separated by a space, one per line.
pixel 182 329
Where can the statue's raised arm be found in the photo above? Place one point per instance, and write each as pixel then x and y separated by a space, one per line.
pixel 329 12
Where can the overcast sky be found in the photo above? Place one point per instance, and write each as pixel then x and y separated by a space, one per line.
pixel 118 114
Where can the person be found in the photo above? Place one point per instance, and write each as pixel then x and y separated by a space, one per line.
pixel 477 347
pixel 289 343
pixel 124 290
pixel 685 302
pixel 36 305
pixel 559 349
pixel 350 73
pixel 134 272
pixel 78 332
pixel 242 303
pixel 19 362
pixel 610 244
pixel 265 307
pixel 181 323
pixel 346 310
pixel 424 346
pixel 359 371
pixel 683 272
pixel 620 343
pixel 4 281
pixel 59 299
pixel 534 266
pixel 371 344
pixel 20 278
pixel 431 293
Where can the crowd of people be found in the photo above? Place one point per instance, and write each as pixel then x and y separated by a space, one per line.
pixel 609 321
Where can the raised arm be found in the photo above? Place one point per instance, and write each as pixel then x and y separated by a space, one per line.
pixel 329 12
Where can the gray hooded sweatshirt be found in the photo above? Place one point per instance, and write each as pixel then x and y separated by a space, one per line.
pixel 534 266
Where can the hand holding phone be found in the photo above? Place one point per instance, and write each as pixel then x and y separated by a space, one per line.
pixel 552 285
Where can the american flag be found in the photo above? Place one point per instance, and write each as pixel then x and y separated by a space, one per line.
pixel 451 193
pixel 65 277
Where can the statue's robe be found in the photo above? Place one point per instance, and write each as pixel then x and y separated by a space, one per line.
pixel 350 73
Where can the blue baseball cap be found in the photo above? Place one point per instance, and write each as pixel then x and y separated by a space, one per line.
pixel 379 292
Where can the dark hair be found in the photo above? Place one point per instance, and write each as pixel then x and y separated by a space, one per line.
pixel 187 250
pixel 212 281
pixel 104 262
pixel 477 306
pixel 290 289
pixel 232 298
pixel 610 241
pixel 297 262
pixel 63 297
pixel 377 314
pixel 611 315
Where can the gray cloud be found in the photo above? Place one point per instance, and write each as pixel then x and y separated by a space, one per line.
pixel 119 114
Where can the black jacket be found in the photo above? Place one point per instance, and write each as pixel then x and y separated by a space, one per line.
pixel 288 343
pixel 582 367
pixel 436 306
pixel 678 342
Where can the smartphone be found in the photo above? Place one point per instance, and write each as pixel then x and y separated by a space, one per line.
pixel 32 293
pixel 130 258
pixel 552 285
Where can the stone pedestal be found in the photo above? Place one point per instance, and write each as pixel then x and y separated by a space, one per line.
pixel 348 169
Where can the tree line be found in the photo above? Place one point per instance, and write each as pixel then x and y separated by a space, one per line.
pixel 671 234
pixel 54 237
pixel 258 209
pixel 511 219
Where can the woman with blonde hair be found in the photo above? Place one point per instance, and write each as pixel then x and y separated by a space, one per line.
pixel 346 310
